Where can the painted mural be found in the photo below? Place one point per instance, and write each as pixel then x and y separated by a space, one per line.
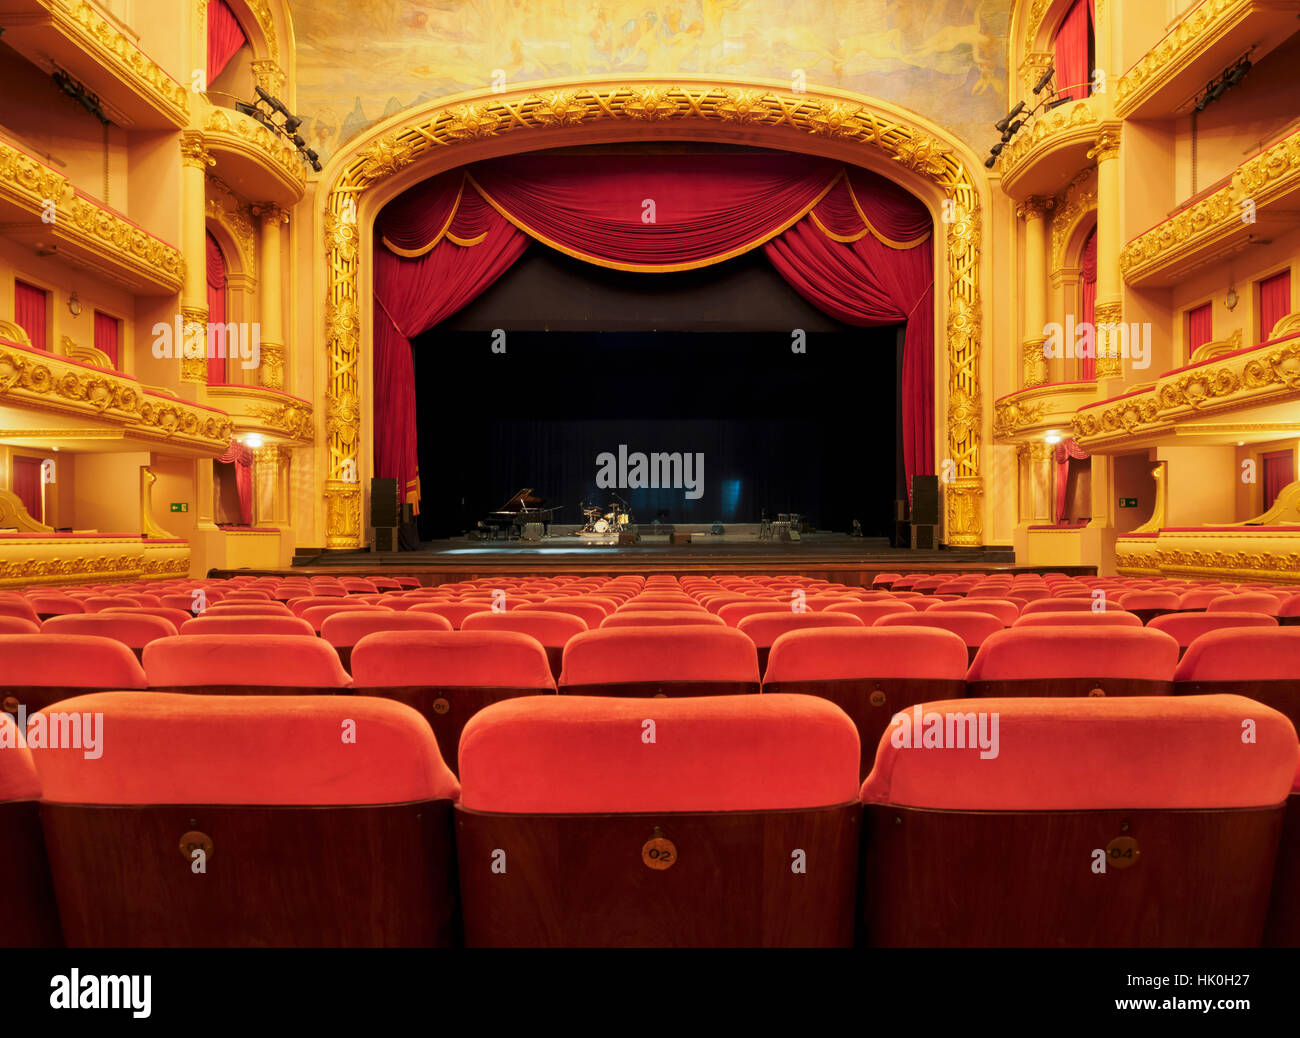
pixel 945 59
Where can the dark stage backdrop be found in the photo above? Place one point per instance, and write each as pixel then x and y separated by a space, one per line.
pixel 815 432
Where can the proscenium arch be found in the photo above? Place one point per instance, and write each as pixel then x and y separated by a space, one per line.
pixel 469 127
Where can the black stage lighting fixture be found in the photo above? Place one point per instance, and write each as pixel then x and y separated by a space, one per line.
pixel 1002 124
pixel 1046 78
pixel 990 162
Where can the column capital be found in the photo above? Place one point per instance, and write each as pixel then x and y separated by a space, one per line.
pixel 1107 146
pixel 1035 207
pixel 270 213
pixel 193 151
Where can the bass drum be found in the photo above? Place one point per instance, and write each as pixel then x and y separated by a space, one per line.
pixel 602 526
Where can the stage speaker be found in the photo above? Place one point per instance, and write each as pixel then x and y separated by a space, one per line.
pixel 385 509
pixel 900 511
pixel 626 538
pixel 925 536
pixel 925 500
pixel 386 538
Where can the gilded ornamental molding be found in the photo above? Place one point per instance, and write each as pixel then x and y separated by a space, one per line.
pixel 255 409
pixel 227 130
pixel 108 240
pixel 1246 380
pixel 1254 184
pixel 738 105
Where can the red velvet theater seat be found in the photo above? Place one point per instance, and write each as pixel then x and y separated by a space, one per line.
pixel 694 660
pixel 135 632
pixel 553 630
pixel 1060 604
pixel 29 918
pixel 692 822
pixel 765 628
pixel 871 674
pixel 18 625
pixel 1148 604
pixel 39 669
pixel 320 822
pixel 1005 611
pixel 1260 662
pixel 245 664
pixel 228 608
pixel 870 612
pixel 1080 618
pixel 733 612
pixel 676 618
pixel 232 626
pixel 344 630
pixel 1185 628
pixel 973 628
pixel 1137 822
pixel 1074 661
pixel 1283 930
pixel 20 608
pixel 175 617
pixel 448 676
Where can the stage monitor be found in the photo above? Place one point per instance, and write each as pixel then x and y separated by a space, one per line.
pixel 925 500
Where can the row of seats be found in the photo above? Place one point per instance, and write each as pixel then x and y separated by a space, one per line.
pixel 705 821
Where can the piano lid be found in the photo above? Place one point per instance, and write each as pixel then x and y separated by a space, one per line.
pixel 521 501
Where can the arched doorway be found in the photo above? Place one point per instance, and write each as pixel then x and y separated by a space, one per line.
pixel 469 127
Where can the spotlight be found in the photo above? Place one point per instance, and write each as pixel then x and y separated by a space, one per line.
pixel 1002 124
pixel 1238 72
pixel 297 140
pixel 997 149
pixel 990 162
pixel 1046 78
pixel 311 155
pixel 291 124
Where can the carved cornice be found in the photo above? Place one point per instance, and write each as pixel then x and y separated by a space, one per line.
pixel 225 130
pixel 86 560
pixel 751 106
pixel 102 237
pixel 1035 410
pixel 1074 125
pixel 1210 554
pixel 46 382
pixel 1217 218
pixel 1265 376
pixel 257 409
pixel 1035 207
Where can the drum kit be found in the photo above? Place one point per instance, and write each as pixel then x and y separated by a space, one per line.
pixel 616 520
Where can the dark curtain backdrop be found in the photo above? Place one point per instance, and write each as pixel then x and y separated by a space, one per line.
pixel 851 242
pixel 785 432
pixel 30 313
pixel 27 486
pixel 107 329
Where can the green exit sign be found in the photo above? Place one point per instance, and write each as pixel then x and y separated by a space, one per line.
pixel 180 506
pixel 1128 502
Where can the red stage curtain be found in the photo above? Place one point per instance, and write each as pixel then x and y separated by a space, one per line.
pixel 30 306
pixel 216 306
pixel 853 243
pixel 1274 302
pixel 242 458
pixel 1071 47
pixel 1279 470
pixel 1067 452
pixel 225 37
pixel 1088 299
pixel 411 296
pixel 1200 327
pixel 27 485
pixel 106 332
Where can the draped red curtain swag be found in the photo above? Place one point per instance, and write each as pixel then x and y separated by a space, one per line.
pixel 225 37
pixel 242 458
pixel 1067 451
pixel 854 244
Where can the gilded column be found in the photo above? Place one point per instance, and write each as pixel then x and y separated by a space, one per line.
pixel 1033 211
pixel 194 295
pixel 1110 299
pixel 271 371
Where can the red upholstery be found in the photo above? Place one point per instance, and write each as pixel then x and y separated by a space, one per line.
pixel 1061 605
pixel 1142 752
pixel 1005 611
pixel 551 629
pixel 733 612
pixel 53 604
pixel 679 605
pixel 637 654
pixel 1243 654
pixel 19 607
pixel 1252 602
pixel 1199 598
pixel 592 613
pixel 258 660
pixel 1110 618
pixel 135 632
pixel 317 615
pixel 67 661
pixel 298 606
pixel 343 630
pixel 1147 600
pixel 765 628
pixel 175 617
pixel 972 628
pixel 484 659
pixel 248 609
pixel 241 625
pixel 286 750
pixel 571 754
pixel 453 612
pixel 18 779
pixel 18 625
pixel 1024 653
pixel 1187 627
pixel 833 654
pixel 691 617
pixel 870 612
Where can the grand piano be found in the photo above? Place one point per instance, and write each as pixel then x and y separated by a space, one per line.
pixel 508 521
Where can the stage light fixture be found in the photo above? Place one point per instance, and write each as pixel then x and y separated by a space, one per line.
pixel 1002 124
pixel 997 149
pixel 1046 78
pixel 990 162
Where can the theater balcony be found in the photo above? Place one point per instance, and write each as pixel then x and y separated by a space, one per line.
pixel 1205 402
pixel 255 162
pixel 265 412
pixel 78 229
pixel 1043 158
pixel 1208 38
pixel 1258 199
pixel 73 35
pixel 59 397
pixel 1030 414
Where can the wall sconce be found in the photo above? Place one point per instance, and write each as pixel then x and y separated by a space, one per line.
pixel 1230 300
pixel 74 305
pixel 1053 437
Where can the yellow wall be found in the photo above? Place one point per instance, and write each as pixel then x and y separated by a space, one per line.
pixel 107 492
